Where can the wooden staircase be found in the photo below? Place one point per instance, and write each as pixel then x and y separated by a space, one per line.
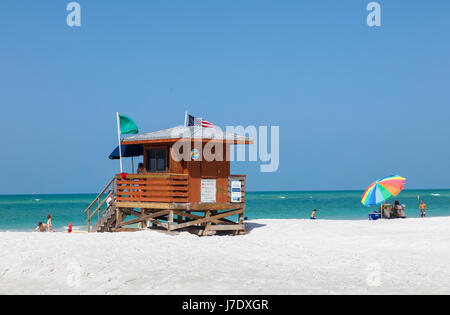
pixel 106 219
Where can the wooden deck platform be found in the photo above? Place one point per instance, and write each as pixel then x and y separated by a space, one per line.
pixel 158 201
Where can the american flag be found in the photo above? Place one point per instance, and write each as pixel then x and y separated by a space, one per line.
pixel 199 122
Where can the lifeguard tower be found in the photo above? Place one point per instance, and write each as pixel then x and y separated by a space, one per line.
pixel 186 185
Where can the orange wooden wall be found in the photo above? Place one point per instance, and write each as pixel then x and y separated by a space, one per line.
pixel 198 170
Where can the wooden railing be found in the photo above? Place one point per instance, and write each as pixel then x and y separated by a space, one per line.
pixel 99 202
pixel 242 179
pixel 172 188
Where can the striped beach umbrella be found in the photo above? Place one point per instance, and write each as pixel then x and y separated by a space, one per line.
pixel 382 190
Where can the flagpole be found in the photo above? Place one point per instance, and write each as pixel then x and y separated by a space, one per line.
pixel 120 145
pixel 185 119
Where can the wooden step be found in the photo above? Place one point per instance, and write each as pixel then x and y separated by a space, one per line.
pixel 107 221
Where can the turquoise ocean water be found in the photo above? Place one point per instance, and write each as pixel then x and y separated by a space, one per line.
pixel 23 212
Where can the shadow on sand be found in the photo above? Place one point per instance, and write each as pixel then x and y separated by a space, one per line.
pixel 249 226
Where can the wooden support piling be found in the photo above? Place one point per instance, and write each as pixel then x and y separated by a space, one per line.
pixel 170 220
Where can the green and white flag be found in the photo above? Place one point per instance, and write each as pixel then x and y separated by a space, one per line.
pixel 127 125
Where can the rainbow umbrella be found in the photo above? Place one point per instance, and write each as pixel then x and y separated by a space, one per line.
pixel 382 190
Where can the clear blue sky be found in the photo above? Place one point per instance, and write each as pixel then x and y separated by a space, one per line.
pixel 353 103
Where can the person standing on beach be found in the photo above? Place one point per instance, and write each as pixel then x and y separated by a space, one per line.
pixel 423 209
pixel 313 215
pixel 49 223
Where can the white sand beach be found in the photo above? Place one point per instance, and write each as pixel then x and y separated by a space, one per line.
pixel 277 257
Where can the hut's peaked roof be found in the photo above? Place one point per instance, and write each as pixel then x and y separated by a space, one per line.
pixel 196 133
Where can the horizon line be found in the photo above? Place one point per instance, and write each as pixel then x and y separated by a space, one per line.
pixel 250 191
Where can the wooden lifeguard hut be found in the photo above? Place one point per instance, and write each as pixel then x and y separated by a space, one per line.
pixel 186 185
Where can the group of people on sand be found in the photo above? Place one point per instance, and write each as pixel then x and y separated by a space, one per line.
pixel 45 227
pixel 398 209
